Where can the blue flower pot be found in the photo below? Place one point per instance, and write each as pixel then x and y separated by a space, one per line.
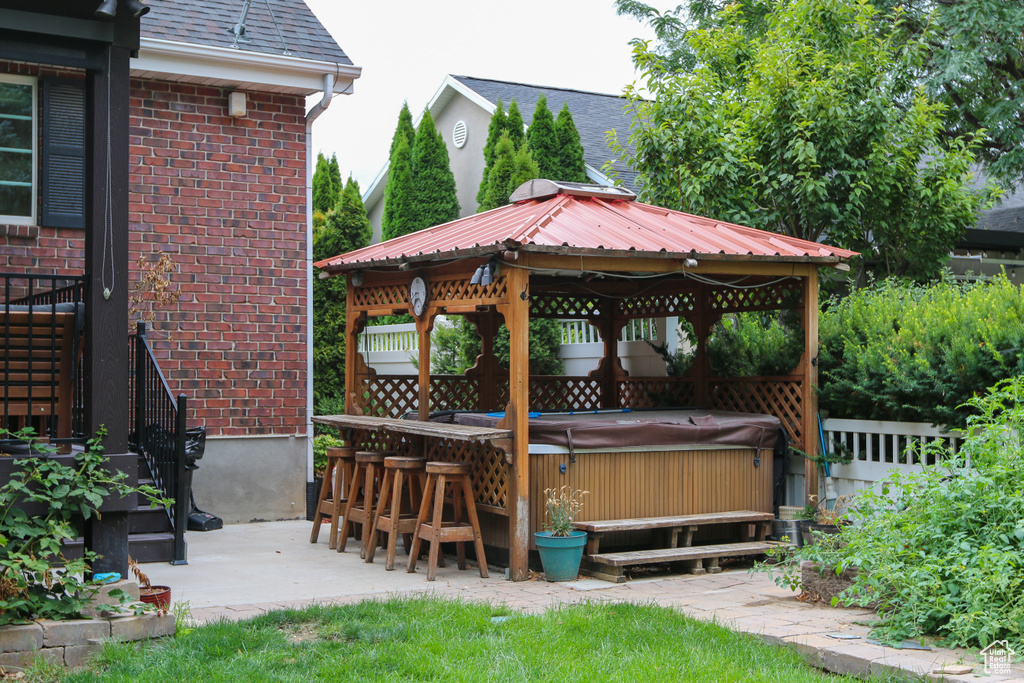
pixel 560 555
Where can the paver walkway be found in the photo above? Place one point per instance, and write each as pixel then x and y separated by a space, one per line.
pixel 246 569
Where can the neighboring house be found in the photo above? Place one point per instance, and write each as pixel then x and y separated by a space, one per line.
pixel 219 179
pixel 462 108
pixel 995 243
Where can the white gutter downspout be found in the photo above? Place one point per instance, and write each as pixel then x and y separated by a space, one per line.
pixel 312 116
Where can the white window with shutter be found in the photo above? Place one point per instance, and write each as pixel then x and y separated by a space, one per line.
pixel 17 149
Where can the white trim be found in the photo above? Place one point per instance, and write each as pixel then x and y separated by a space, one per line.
pixel 227 66
pixel 32 82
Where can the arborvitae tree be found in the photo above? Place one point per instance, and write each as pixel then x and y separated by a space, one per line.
pixel 572 167
pixel 432 179
pixel 343 229
pixel 515 124
pixel 512 168
pixel 544 141
pixel 336 183
pixel 399 199
pixel 323 191
pixel 499 123
pixel 403 129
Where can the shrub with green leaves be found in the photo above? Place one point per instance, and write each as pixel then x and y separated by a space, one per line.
pixel 321 442
pixel 756 344
pixel 942 551
pixel 914 353
pixel 36 580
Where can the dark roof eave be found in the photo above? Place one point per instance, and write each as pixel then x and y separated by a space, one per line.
pixel 493 249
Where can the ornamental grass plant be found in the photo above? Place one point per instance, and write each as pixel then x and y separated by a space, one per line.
pixel 561 506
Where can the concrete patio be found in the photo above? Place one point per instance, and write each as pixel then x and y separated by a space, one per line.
pixel 246 569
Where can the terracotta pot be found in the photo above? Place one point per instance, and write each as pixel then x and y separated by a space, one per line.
pixel 157 595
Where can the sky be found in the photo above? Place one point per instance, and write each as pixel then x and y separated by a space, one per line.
pixel 407 47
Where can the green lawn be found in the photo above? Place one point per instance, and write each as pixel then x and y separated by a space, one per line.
pixel 425 639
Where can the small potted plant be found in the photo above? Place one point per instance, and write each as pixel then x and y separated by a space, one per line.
pixel 827 519
pixel 561 544
pixel 153 595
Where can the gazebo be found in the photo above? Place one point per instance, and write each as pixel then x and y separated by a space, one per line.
pixel 567 251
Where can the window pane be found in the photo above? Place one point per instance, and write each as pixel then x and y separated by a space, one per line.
pixel 15 201
pixel 16 99
pixel 16 134
pixel 15 167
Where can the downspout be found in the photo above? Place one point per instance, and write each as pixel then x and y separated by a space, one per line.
pixel 319 108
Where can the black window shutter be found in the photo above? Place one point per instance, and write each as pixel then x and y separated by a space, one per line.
pixel 62 186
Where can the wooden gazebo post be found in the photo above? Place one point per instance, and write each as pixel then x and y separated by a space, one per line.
pixel 809 366
pixel 517 319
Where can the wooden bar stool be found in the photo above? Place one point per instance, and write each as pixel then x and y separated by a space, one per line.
pixel 341 463
pixel 391 519
pixel 359 507
pixel 439 475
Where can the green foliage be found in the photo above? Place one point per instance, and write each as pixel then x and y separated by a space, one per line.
pixel 343 230
pixel 571 165
pixel 514 125
pixel 457 348
pixel 433 183
pixel 324 196
pixel 399 200
pixel 36 580
pixel 802 118
pixel 498 124
pixel 940 551
pixel 512 167
pixel 321 442
pixel 756 344
pixel 543 141
pixel 450 346
pixel 678 362
pixel 399 217
pixel 904 352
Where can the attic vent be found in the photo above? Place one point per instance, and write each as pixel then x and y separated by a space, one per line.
pixel 459 134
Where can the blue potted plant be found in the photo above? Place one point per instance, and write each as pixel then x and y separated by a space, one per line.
pixel 560 544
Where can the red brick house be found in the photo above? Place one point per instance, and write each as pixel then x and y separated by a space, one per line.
pixel 220 152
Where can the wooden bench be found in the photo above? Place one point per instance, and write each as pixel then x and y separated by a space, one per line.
pixel 36 366
pixel 679 531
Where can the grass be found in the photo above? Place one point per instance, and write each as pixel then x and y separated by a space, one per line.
pixel 428 639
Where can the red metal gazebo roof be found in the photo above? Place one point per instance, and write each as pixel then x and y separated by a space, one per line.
pixel 570 218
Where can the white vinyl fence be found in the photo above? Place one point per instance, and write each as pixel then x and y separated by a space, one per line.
pixel 876 447
pixel 388 349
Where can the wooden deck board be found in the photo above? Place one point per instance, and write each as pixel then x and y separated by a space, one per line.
pixel 698 552
pixel 737 516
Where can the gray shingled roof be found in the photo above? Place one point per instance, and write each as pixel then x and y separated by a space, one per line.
pixel 593 113
pixel 208 22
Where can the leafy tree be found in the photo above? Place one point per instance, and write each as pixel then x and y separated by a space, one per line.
pixel 342 230
pixel 324 197
pixel 544 141
pixel 515 126
pixel 512 168
pixel 399 213
pixel 434 193
pixel 399 216
pixel 571 165
pixel 498 124
pixel 337 185
pixel 456 348
pixel 973 60
pixel 811 128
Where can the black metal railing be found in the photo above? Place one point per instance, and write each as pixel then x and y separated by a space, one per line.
pixel 158 420
pixel 42 318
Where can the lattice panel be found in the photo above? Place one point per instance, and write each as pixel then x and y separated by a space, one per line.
pixel 781 398
pixel 453 392
pixel 488 470
pixel 656 392
pixel 658 304
pixel 373 440
pixel 381 296
pixel 786 294
pixel 459 290
pixel 564 306
pixel 564 393
pixel 392 395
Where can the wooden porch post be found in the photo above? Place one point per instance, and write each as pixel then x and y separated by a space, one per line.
pixel 701 362
pixel 354 324
pixel 105 358
pixel 810 371
pixel 423 327
pixel 517 319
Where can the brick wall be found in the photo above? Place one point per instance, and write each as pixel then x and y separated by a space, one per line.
pixel 225 198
